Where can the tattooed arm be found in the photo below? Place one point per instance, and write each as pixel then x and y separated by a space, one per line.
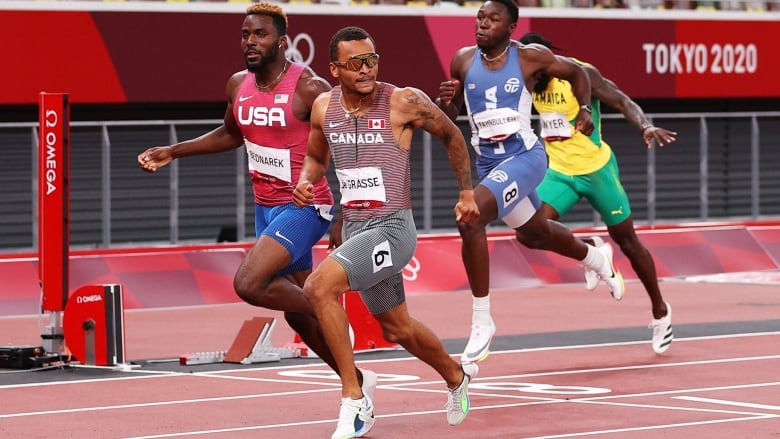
pixel 410 109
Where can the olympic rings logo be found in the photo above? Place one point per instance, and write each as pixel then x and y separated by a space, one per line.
pixel 295 54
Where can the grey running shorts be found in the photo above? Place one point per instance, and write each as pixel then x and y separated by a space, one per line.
pixel 373 255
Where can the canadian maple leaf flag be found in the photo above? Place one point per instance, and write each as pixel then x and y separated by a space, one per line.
pixel 376 124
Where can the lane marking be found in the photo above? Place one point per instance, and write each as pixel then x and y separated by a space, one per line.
pixel 726 402
pixel 430 412
pixel 163 403
pixel 653 427
pixel 230 373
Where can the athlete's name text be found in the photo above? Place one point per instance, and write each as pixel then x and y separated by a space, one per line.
pixel 496 121
pixel 270 161
pixel 555 123
pixel 361 183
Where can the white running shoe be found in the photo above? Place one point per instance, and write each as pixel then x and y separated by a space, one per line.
pixel 369 383
pixel 458 403
pixel 591 277
pixel 662 331
pixel 356 417
pixel 478 347
pixel 609 273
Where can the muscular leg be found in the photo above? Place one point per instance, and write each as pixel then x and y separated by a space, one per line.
pixel 399 327
pixel 549 212
pixel 322 289
pixel 474 248
pixel 641 261
pixel 308 328
pixel 543 234
pixel 476 260
pixel 257 282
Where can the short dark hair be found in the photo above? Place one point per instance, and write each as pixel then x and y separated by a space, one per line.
pixel 274 11
pixel 511 8
pixel 349 33
pixel 533 37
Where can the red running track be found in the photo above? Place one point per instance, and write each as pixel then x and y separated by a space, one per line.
pixel 719 386
pixel 712 388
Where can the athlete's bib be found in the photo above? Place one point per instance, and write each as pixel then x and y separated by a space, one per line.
pixel 269 161
pixel 361 188
pixel 554 126
pixel 497 124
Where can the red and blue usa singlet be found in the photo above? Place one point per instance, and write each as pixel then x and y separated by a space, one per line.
pixel 276 141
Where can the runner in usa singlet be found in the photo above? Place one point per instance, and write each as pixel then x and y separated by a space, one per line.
pixel 275 139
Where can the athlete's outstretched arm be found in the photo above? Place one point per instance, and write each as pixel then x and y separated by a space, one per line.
pixel 414 109
pixel 608 92
pixel 223 138
pixel 536 59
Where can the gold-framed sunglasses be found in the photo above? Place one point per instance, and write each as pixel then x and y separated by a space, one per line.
pixel 355 63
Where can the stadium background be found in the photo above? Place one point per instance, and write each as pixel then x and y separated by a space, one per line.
pixel 135 71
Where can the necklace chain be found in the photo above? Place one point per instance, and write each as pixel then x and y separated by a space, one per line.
pixel 506 49
pixel 348 111
pixel 272 83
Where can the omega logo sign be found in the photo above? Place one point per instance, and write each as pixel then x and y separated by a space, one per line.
pixel 88 299
pixel 50 139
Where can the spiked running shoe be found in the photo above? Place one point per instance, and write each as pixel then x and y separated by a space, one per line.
pixel 458 403
pixel 478 347
pixel 609 274
pixel 591 277
pixel 662 332
pixel 356 418
pixel 369 383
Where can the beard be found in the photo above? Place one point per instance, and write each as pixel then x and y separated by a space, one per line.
pixel 266 58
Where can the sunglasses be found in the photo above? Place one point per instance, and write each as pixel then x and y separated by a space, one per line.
pixel 355 63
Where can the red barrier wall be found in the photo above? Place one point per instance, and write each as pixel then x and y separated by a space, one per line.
pixel 128 51
pixel 194 275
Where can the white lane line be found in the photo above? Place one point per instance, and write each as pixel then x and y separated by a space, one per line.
pixel 219 373
pixel 430 412
pixel 651 427
pixel 162 403
pixel 731 403
pixel 608 369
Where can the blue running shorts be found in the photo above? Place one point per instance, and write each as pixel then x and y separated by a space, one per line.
pixel 297 229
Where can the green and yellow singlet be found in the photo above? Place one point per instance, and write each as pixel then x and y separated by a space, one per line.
pixel 570 151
